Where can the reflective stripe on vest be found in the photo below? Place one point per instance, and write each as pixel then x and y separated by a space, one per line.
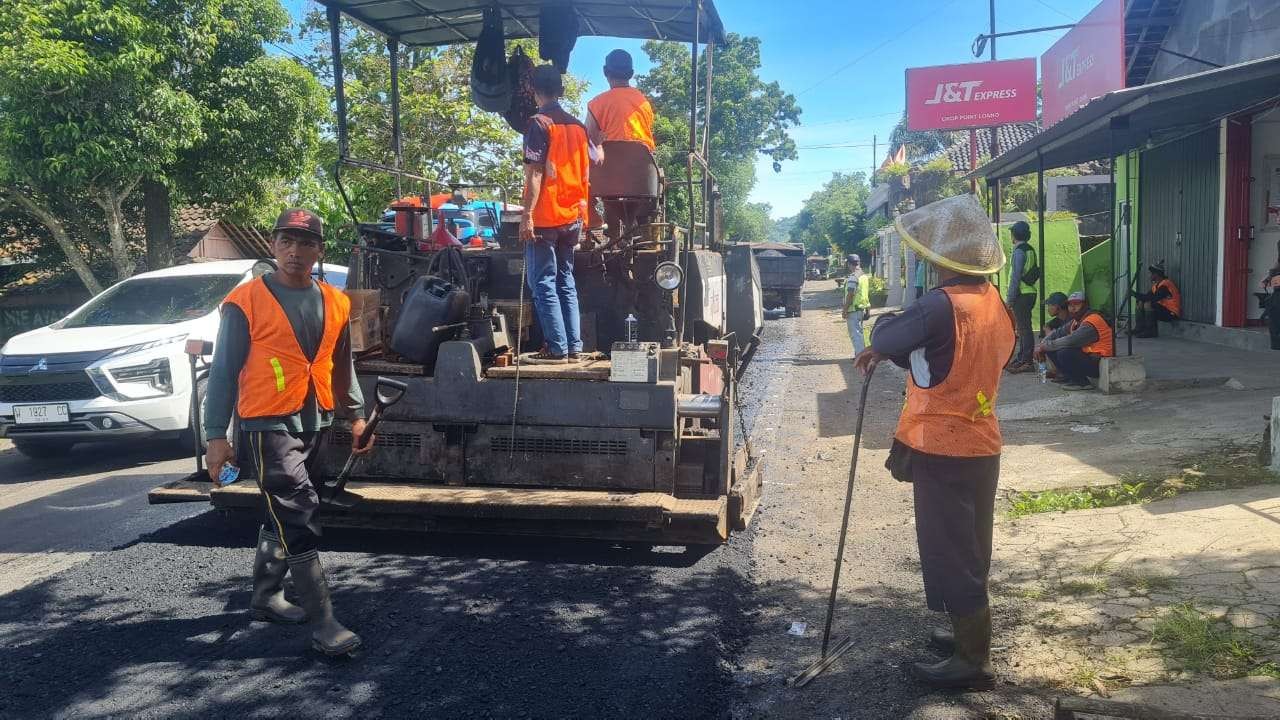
pixel 565 176
pixel 1105 345
pixel 624 114
pixel 1173 303
pixel 956 417
pixel 277 375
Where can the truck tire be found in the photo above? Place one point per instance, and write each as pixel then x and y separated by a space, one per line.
pixel 42 449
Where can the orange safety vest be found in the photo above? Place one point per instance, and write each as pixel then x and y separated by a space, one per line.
pixel 956 417
pixel 1173 303
pixel 624 114
pixel 277 375
pixel 565 176
pixel 1105 345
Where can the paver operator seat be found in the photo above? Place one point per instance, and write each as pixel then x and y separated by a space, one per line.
pixel 630 183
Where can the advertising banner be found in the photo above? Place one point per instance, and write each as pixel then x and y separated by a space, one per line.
pixel 1086 63
pixel 955 97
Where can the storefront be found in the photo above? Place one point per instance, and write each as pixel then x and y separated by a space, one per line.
pixel 1197 183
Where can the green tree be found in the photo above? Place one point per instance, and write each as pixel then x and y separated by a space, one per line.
pixel 99 96
pixel 749 118
pixel 751 224
pixel 835 218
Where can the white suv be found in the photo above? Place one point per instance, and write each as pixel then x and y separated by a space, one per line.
pixel 116 367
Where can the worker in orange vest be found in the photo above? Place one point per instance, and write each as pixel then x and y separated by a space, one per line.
pixel 621 114
pixel 556 186
pixel 283 362
pixel 954 342
pixel 1078 347
pixel 1163 303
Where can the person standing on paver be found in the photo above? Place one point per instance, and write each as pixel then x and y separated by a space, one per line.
pixel 556 176
pixel 283 361
pixel 856 308
pixel 954 342
pixel 1021 295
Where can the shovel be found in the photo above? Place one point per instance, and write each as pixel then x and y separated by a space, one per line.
pixel 389 392
pixel 196 349
pixel 843 646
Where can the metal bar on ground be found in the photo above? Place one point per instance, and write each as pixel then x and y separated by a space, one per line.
pixel 825 660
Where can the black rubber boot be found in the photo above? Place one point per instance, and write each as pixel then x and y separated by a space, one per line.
pixel 969 667
pixel 942 639
pixel 269 567
pixel 328 636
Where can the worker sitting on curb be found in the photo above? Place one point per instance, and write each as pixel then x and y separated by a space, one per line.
pixel 856 308
pixel 1078 347
pixel 1056 308
pixel 556 168
pixel 1163 303
pixel 283 360
pixel 954 342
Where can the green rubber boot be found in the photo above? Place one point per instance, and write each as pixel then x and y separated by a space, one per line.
pixel 269 568
pixel 969 667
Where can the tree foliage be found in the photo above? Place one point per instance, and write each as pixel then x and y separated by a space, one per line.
pixel 98 95
pixel 749 118
pixel 835 219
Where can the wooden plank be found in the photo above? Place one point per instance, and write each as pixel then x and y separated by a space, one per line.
pixel 382 367
pixel 1067 707
pixel 589 370
pixel 180 491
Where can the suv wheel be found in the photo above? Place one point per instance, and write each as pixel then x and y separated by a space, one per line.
pixel 42 449
pixel 186 438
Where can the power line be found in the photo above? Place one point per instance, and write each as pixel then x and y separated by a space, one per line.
pixel 895 113
pixel 924 17
pixel 1063 14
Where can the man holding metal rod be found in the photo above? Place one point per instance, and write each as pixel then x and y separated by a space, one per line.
pixel 954 343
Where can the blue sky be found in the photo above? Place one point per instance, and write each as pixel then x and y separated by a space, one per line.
pixel 844 60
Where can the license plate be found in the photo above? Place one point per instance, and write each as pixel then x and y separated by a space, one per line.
pixel 34 414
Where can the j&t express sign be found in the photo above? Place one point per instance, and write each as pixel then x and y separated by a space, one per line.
pixel 953 97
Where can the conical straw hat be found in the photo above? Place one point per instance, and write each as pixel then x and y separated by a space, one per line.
pixel 954 233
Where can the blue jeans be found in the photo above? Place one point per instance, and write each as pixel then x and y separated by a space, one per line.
pixel 854 322
pixel 549 269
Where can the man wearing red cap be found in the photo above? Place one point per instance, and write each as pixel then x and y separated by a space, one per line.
pixel 283 363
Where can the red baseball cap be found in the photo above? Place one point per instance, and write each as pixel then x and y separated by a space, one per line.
pixel 300 220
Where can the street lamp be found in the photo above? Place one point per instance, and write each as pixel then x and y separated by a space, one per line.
pixel 980 42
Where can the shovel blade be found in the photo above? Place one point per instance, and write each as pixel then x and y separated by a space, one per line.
pixel 344 499
pixel 817 668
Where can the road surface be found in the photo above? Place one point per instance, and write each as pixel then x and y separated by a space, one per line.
pixel 111 608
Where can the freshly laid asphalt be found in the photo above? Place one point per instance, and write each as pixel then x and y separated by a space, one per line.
pixel 152 624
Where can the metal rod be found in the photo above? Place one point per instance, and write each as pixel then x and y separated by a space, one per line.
pixel 393 50
pixel 1188 57
pixel 1040 200
pixel 848 505
pixel 993 190
pixel 339 92
pixel 993 34
pixel 995 136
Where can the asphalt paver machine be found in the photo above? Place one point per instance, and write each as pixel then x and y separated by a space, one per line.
pixel 643 440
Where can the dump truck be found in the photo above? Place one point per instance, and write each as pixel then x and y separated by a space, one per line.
pixel 643 440
pixel 782 270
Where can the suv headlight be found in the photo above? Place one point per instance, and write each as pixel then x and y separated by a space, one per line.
pixel 154 374
pixel 131 349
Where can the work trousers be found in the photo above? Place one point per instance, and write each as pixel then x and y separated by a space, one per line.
pixel 854 322
pixel 549 268
pixel 955 511
pixel 1273 319
pixel 1074 365
pixel 1022 308
pixel 282 463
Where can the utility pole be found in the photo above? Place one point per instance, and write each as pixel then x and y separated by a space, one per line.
pixel 873 160
pixel 995 131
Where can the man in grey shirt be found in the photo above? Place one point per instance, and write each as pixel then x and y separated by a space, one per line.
pixel 283 363
pixel 1021 296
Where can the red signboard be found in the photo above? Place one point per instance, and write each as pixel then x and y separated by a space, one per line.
pixel 953 97
pixel 1086 63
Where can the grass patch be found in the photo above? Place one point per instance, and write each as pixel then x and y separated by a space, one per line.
pixel 1082 586
pixel 1203 644
pixel 1143 583
pixel 1223 469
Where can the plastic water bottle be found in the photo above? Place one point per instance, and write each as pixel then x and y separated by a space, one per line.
pixel 229 474
pixel 1044 372
pixel 633 328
